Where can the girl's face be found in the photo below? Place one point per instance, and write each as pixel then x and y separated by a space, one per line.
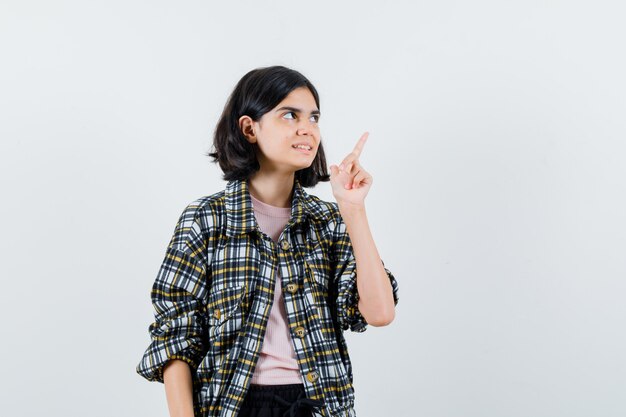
pixel 293 121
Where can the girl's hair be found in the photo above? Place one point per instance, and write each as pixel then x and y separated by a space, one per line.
pixel 258 92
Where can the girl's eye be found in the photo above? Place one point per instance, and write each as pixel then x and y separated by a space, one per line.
pixel 316 117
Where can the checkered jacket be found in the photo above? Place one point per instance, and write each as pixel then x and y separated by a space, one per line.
pixel 215 287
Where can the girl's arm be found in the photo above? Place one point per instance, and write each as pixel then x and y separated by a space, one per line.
pixel 179 297
pixel 178 388
pixel 376 301
pixel 351 183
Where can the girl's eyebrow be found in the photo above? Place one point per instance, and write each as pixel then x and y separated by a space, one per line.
pixel 296 110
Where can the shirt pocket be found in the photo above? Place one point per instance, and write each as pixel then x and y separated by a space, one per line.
pixel 225 316
pixel 318 274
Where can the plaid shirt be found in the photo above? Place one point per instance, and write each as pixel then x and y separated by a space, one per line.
pixel 214 290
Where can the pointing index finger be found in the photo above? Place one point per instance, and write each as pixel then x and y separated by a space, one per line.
pixel 359 145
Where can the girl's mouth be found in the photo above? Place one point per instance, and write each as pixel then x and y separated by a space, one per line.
pixel 303 150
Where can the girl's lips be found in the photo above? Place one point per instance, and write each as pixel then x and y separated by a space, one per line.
pixel 302 150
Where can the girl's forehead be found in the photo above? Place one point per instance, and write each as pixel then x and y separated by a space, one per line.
pixel 300 99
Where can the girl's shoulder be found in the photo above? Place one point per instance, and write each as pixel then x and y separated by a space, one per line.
pixel 203 215
pixel 325 209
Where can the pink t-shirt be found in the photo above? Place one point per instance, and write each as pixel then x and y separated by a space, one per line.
pixel 277 361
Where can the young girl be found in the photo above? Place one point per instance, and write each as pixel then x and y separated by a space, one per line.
pixel 260 280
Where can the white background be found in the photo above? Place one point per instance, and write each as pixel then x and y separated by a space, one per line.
pixel 496 144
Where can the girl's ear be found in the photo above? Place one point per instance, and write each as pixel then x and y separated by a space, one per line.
pixel 246 124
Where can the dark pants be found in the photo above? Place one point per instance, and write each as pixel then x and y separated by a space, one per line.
pixel 277 401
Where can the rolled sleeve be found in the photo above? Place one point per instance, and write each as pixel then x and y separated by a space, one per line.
pixel 348 296
pixel 179 297
pixel 345 276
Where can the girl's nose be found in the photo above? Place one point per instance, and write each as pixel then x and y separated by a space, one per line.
pixel 305 126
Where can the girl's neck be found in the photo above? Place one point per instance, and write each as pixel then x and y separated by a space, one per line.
pixel 274 190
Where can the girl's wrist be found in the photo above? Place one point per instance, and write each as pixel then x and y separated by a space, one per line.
pixel 348 207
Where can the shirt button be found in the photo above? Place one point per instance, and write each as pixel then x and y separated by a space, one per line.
pixel 217 313
pixel 312 376
pixel 284 244
pixel 292 287
pixel 299 331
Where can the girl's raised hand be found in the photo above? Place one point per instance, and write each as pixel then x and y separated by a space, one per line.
pixel 350 182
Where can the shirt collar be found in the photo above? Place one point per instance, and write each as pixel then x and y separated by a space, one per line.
pixel 240 217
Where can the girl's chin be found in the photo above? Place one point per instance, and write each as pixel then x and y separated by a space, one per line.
pixel 299 167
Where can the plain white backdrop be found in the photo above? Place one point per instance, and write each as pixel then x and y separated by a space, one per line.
pixel 497 149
